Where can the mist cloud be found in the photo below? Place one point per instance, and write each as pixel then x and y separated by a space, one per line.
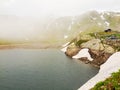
pixel 55 7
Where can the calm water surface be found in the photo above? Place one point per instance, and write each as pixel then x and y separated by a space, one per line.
pixel 41 70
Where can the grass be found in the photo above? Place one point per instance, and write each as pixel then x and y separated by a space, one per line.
pixel 105 34
pixel 78 43
pixel 111 83
pixel 5 42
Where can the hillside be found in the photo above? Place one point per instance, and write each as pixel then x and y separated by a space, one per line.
pixel 56 29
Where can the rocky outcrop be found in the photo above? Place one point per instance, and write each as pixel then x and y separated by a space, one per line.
pixel 93 44
pixel 72 50
pixel 99 51
pixel 96 44
pixel 83 54
pixel 99 57
pixel 85 60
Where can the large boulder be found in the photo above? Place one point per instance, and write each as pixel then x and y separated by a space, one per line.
pixel 72 50
pixel 93 44
pixel 96 44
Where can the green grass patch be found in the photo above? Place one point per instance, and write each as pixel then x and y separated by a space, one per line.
pixel 78 43
pixel 104 35
pixel 111 83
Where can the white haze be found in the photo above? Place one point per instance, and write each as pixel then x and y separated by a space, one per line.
pixel 24 21
pixel 55 7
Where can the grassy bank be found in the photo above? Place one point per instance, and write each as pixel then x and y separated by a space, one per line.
pixel 111 83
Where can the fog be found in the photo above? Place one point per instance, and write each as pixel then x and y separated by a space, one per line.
pixel 55 7
pixel 28 19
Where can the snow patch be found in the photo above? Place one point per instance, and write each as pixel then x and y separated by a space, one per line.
pixel 107 23
pixel 108 13
pixel 65 36
pixel 65 44
pixel 64 49
pixel 110 66
pixel 102 17
pixel 83 53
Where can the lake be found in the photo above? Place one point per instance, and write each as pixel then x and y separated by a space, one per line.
pixel 42 69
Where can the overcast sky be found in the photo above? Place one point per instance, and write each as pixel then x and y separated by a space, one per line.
pixel 38 8
pixel 55 7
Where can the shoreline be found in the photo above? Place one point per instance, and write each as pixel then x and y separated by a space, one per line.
pixel 110 66
pixel 29 46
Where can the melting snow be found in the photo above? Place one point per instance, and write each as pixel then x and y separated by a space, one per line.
pixel 65 36
pixel 110 66
pixel 107 23
pixel 83 53
pixel 65 47
pixel 108 13
pixel 102 17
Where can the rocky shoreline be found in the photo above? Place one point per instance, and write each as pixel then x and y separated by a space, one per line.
pixel 29 46
pixel 105 61
pixel 110 66
pixel 98 57
pixel 100 45
pixel 101 51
